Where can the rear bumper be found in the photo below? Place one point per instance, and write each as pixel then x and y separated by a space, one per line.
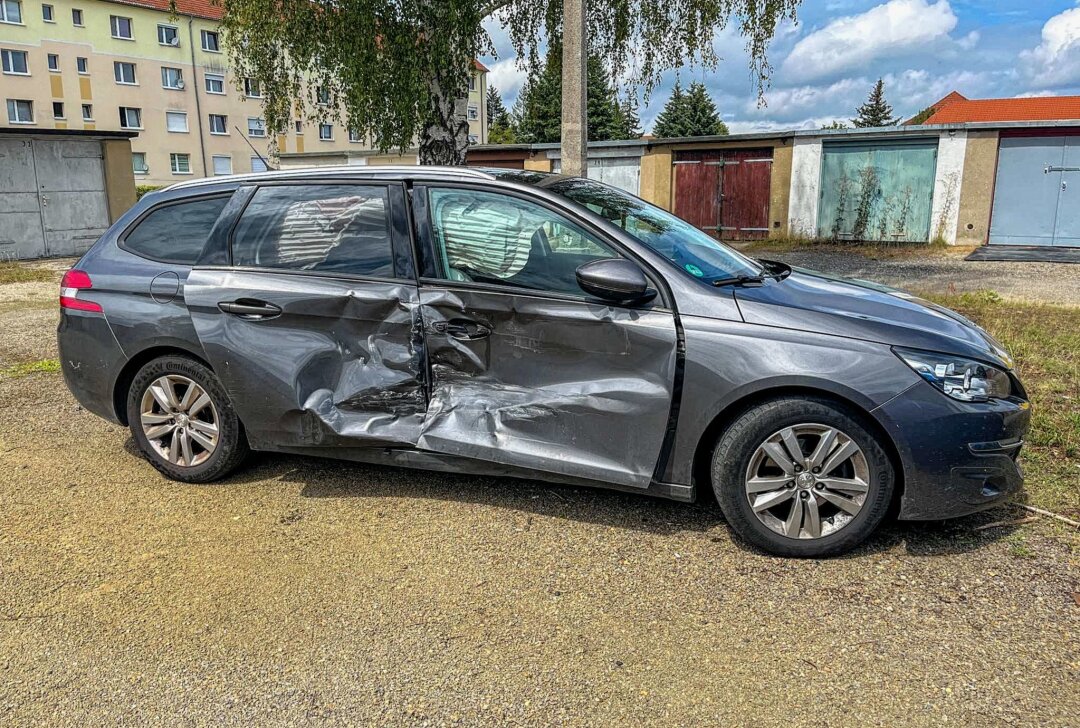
pixel 958 458
pixel 90 357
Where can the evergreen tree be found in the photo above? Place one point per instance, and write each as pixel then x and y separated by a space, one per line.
pixel 876 111
pixel 835 125
pixel 626 118
pixel 689 114
pixel 500 129
pixel 922 116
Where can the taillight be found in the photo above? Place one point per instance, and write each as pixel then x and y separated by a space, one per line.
pixel 70 285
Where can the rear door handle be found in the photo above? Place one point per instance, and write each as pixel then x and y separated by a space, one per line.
pixel 462 329
pixel 250 308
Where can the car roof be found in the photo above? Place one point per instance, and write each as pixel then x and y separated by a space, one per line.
pixel 351 172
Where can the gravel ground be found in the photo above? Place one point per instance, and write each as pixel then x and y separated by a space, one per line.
pixel 304 591
pixel 1042 282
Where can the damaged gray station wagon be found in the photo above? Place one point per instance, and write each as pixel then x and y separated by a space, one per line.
pixel 528 324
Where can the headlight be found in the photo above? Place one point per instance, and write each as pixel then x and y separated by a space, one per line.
pixel 963 379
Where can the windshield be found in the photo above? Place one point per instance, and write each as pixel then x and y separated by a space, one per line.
pixel 690 249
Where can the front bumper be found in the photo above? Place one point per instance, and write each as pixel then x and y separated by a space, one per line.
pixel 957 457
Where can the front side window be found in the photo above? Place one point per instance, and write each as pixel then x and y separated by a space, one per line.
pixel 219 124
pixel 172 78
pixel 176 121
pixel 332 228
pixel 488 237
pixel 15 62
pixel 20 111
pixel 168 35
pixel 124 72
pixel 210 41
pixel 256 127
pixel 180 163
pixel 121 27
pixel 130 118
pixel 138 163
pixel 10 11
pixel 215 83
pixel 175 233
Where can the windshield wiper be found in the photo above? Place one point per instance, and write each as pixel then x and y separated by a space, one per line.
pixel 740 281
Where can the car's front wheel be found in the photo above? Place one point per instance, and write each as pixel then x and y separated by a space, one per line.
pixel 802 477
pixel 183 420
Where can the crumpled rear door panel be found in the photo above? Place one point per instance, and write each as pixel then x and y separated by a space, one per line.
pixel 563 386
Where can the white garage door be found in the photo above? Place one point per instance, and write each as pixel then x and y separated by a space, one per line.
pixel 621 172
pixel 52 197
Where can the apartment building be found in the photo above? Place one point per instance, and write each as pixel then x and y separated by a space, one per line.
pixel 131 65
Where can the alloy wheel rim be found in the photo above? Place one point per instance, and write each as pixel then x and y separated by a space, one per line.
pixel 807 481
pixel 179 420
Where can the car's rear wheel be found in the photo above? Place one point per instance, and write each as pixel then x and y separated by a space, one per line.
pixel 183 420
pixel 802 477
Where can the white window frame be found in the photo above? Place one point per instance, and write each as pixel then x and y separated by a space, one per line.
pixel 224 123
pixel 86 117
pixel 138 113
pixel 326 125
pixel 118 76
pixel 176 34
pixel 179 78
pixel 299 126
pixel 145 168
pixel 5 16
pixel 354 137
pixel 85 70
pixel 261 126
pixel 81 22
pixel 6 56
pixel 247 89
pixel 49 58
pixel 13 104
pixel 63 111
pixel 176 114
pixel 472 82
pixel 474 112
pixel 474 139
pixel 320 92
pixel 114 27
pixel 52 13
pixel 218 77
pixel 204 34
pixel 175 157
pixel 214 162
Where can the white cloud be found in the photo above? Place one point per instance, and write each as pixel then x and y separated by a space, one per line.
pixel 887 30
pixel 508 78
pixel 1055 62
pixel 969 41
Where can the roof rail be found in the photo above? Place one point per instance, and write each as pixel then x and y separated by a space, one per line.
pixel 341 170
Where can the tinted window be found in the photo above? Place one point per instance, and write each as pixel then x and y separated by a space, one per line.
pixel 176 233
pixel 340 228
pixel 492 238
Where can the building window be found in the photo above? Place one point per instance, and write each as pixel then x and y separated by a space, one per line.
pixel 76 17
pixel 58 110
pixel 472 83
pixel 54 62
pixel 172 78
pixel 222 164
pixel 124 73
pixel 473 139
pixel 326 132
pixel 130 117
pixel 87 112
pixel 256 127
pixel 138 163
pixel 257 164
pixel 180 163
pixel 81 66
pixel 215 83
pixel 168 35
pixel 474 112
pixel 322 95
pixel 354 136
pixel 121 27
pixel 14 62
pixel 252 89
pixel 210 41
pixel 176 121
pixel 219 124
pixel 20 111
pixel 299 126
pixel 10 11
pixel 47 14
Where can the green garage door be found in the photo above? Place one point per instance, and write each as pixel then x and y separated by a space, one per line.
pixel 877 190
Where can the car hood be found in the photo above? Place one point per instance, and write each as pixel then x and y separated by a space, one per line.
pixel 812 301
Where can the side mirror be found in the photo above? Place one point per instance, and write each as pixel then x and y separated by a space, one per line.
pixel 615 279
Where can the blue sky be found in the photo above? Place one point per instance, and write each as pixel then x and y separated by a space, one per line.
pixel 825 65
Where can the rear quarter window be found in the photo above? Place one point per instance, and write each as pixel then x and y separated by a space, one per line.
pixel 175 232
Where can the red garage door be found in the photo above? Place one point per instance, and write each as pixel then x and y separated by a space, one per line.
pixel 725 193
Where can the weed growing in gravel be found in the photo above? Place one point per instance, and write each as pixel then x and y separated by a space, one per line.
pixel 31 367
pixel 20 273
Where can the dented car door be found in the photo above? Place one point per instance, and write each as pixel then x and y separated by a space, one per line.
pixel 314 328
pixel 525 369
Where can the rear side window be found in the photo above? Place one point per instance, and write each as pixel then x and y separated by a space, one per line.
pixel 331 228
pixel 176 233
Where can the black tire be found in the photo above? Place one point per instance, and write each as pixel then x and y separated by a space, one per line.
pixel 232 446
pixel 738 444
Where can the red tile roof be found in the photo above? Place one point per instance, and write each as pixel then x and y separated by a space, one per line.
pixel 954 109
pixel 198 8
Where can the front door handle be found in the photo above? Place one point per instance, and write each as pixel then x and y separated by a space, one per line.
pixel 462 329
pixel 250 308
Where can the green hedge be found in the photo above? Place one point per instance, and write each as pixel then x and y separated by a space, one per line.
pixel 141 190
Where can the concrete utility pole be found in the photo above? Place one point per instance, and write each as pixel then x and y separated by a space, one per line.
pixel 575 108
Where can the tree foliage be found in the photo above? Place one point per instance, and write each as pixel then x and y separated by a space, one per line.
pixel 500 126
pixel 834 124
pixel 922 116
pixel 397 71
pixel 689 113
pixel 876 111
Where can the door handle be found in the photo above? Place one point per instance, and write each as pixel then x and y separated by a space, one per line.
pixel 250 308
pixel 462 329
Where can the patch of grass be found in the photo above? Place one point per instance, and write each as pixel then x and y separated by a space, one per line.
pixel 1044 341
pixel 25 369
pixel 23 273
pixel 876 251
